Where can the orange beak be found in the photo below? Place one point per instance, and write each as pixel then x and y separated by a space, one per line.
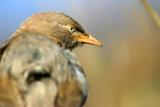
pixel 88 40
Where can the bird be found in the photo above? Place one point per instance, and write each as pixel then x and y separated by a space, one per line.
pixel 64 30
pixel 36 72
pixel 9 94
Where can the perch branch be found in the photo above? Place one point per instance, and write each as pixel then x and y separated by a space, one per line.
pixel 151 12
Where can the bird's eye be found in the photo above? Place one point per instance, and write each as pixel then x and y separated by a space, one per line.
pixel 72 30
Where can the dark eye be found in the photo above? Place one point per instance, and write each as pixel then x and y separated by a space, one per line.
pixel 72 30
pixel 37 76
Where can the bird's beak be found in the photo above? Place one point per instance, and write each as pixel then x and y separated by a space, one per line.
pixel 88 40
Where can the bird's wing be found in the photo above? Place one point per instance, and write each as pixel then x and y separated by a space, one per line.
pixel 9 94
pixel 4 45
pixel 3 48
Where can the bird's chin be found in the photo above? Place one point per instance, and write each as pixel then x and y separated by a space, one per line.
pixel 72 45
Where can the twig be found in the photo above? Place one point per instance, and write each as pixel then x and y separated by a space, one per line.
pixel 151 12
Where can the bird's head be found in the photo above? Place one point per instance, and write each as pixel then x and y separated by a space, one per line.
pixel 64 30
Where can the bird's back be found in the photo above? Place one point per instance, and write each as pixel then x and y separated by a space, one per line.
pixel 45 75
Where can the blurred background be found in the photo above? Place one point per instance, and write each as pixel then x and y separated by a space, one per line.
pixel 125 72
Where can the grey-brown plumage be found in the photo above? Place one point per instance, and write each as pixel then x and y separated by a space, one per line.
pixel 9 93
pixel 44 75
pixel 62 29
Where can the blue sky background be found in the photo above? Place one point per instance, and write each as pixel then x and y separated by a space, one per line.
pixel 92 14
